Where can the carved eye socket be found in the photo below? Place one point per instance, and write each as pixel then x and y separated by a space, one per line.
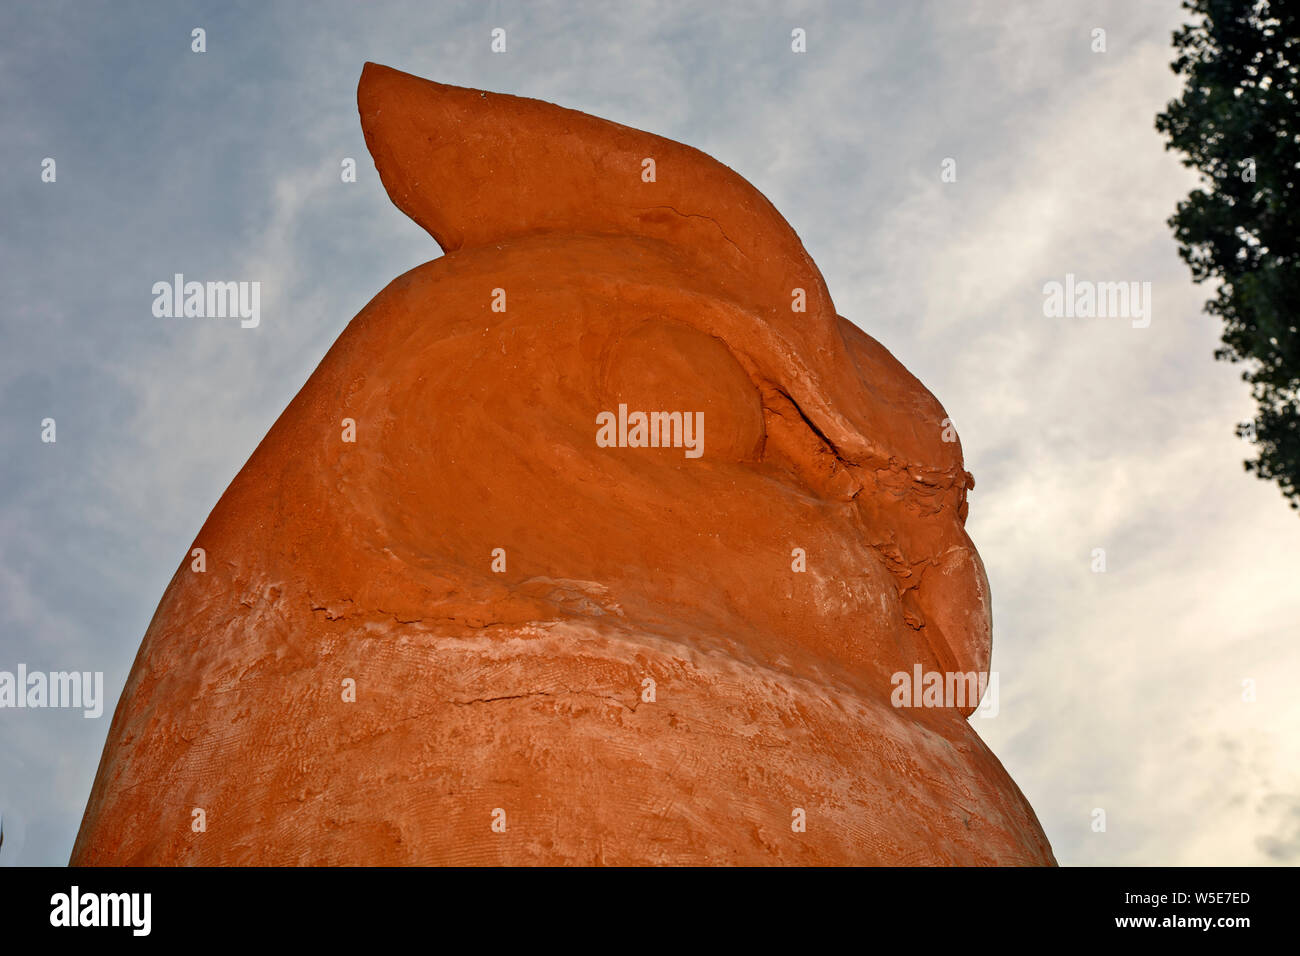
pixel 664 366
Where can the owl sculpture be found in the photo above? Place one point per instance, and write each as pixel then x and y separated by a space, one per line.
pixel 599 539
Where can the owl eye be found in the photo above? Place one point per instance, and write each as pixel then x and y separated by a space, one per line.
pixel 668 368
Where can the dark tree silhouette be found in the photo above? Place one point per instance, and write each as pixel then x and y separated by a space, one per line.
pixel 1238 123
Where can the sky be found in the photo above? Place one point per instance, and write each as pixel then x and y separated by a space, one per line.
pixel 1159 691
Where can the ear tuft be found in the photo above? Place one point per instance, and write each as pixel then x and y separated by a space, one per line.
pixel 474 168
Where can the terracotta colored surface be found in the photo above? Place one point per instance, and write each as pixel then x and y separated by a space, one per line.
pixel 522 691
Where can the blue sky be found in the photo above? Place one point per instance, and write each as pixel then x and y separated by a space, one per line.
pixel 1120 690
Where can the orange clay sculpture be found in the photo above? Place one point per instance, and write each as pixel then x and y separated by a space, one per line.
pixel 600 539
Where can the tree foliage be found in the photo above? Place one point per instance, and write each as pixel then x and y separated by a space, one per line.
pixel 1238 123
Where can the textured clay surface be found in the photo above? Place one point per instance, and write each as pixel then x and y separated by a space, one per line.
pixel 649 679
